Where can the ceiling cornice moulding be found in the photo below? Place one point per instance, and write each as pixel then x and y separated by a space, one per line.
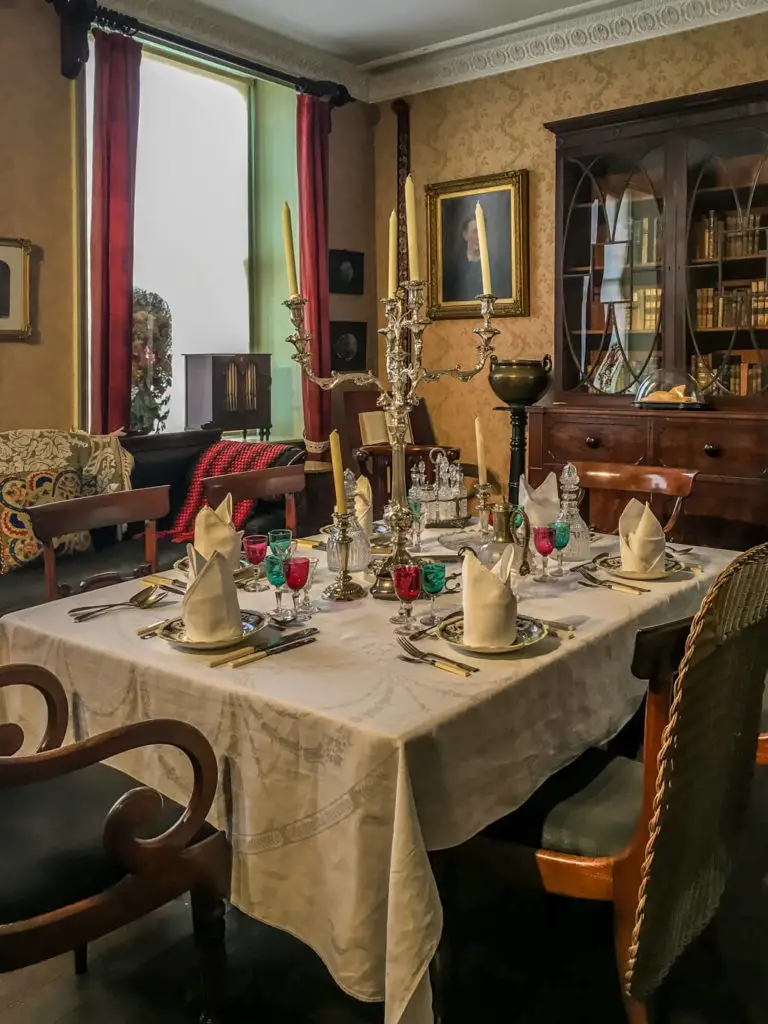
pixel 585 30
pixel 553 40
pixel 241 38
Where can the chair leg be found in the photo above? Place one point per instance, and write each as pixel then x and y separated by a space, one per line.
pixel 208 922
pixel 81 960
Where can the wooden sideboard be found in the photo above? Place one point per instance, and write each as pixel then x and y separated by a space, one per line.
pixel 729 504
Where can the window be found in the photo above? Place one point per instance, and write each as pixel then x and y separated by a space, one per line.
pixel 216 159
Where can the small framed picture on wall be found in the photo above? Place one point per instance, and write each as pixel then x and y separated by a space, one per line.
pixel 15 321
pixel 349 345
pixel 346 272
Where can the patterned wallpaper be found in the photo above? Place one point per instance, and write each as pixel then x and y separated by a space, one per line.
pixel 495 124
pixel 36 202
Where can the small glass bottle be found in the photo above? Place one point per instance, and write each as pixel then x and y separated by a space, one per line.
pixel 577 549
pixel 359 545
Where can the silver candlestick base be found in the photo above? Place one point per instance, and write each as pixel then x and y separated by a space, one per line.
pixel 343 587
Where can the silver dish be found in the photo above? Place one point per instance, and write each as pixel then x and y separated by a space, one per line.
pixel 529 631
pixel 175 632
pixel 612 565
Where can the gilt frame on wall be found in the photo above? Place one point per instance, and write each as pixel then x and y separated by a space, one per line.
pixel 454 261
pixel 15 318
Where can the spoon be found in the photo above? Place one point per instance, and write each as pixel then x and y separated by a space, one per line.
pixel 145 598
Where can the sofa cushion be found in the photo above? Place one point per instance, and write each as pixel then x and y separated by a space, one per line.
pixel 51 840
pixel 20 491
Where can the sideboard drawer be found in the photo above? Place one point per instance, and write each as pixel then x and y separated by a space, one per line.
pixel 715 447
pixel 579 440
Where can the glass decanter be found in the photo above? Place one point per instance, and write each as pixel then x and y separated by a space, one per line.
pixel 577 549
pixel 359 545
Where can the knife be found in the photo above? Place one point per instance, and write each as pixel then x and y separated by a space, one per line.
pixel 287 645
pixel 421 633
pixel 276 641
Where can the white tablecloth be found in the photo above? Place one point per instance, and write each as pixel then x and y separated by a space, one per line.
pixel 341 765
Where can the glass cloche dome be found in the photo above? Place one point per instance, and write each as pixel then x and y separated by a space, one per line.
pixel 669 389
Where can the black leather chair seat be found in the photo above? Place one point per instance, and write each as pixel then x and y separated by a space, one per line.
pixel 589 808
pixel 51 850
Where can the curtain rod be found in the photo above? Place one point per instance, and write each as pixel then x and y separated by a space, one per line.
pixel 78 17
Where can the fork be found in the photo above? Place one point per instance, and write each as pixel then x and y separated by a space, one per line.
pixel 416 652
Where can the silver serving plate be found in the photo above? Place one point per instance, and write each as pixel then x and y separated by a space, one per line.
pixel 175 632
pixel 529 631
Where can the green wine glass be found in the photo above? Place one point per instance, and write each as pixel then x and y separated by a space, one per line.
pixel 432 583
pixel 273 565
pixel 562 536
pixel 280 542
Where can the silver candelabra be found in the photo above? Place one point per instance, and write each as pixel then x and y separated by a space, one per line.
pixel 405 374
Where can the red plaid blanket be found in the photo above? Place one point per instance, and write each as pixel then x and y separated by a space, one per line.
pixel 222 457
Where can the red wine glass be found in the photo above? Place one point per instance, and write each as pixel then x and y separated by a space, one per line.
pixel 296 572
pixel 256 546
pixel 407 580
pixel 544 542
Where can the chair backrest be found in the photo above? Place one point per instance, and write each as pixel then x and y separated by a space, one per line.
pixel 705 766
pixel 650 480
pixel 267 484
pixel 57 518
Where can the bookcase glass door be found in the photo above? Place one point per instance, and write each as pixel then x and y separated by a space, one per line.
pixel 726 308
pixel 612 259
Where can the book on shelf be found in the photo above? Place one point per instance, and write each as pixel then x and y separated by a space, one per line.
pixel 737 234
pixel 646 240
pixel 646 306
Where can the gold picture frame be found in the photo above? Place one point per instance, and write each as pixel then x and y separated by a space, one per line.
pixel 15 319
pixel 454 282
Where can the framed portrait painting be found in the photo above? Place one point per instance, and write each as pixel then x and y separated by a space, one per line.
pixel 454 253
pixel 15 319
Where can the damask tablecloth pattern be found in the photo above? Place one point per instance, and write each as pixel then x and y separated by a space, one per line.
pixel 341 765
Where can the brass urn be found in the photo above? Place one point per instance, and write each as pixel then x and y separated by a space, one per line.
pixel 519 381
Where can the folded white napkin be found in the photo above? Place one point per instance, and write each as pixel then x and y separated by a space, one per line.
pixel 210 609
pixel 364 505
pixel 490 606
pixel 214 532
pixel 641 539
pixel 505 568
pixel 541 503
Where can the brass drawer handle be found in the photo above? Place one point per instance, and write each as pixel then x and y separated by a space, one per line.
pixel 592 442
pixel 713 450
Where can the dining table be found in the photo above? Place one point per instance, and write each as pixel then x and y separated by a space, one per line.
pixel 342 766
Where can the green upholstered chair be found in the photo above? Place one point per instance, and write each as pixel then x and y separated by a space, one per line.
pixel 656 838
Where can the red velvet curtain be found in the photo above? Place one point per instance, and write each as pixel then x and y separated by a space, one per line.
pixel 312 134
pixel 115 133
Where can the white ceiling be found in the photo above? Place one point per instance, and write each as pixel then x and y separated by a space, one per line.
pixel 368 30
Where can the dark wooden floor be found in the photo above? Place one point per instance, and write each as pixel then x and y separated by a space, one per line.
pixel 531 960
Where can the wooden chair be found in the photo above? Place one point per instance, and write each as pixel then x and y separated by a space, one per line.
pixel 266 484
pixel 114 509
pixel 375 460
pixel 650 480
pixel 656 839
pixel 85 849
